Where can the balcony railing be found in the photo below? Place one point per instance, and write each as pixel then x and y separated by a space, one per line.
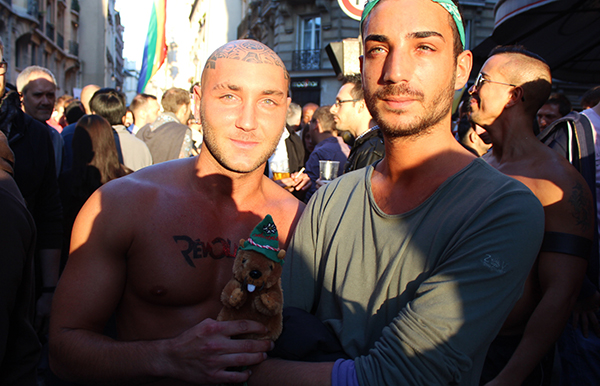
pixel 50 31
pixel 306 60
pixel 73 48
pixel 60 40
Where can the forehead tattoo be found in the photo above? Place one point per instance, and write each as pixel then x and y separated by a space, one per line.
pixel 249 52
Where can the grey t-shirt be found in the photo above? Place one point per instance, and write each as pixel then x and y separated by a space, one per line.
pixel 418 297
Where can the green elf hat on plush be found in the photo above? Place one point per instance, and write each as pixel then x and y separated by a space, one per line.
pixel 264 240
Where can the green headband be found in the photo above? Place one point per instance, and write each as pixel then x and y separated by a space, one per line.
pixel 447 4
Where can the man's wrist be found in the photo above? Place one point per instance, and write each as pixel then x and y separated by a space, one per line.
pixel 161 365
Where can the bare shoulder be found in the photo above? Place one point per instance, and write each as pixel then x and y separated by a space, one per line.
pixel 565 195
pixel 284 207
pixel 120 204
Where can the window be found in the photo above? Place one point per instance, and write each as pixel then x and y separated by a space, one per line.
pixel 310 33
pixel 308 54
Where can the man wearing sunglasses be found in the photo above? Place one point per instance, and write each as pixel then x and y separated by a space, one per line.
pixel 512 86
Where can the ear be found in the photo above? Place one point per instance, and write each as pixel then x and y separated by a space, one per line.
pixel 361 106
pixel 242 242
pixel 197 99
pixel 516 96
pixel 464 64
pixel 473 136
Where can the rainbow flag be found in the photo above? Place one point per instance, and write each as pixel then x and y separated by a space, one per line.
pixel 155 49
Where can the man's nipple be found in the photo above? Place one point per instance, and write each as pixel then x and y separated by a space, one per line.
pixel 158 291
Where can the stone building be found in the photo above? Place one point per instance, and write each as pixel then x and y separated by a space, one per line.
pixel 80 41
pixel 101 49
pixel 214 23
pixel 299 31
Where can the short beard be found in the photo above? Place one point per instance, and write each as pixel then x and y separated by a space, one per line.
pixel 422 125
pixel 212 147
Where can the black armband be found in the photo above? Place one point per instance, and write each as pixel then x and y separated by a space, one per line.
pixel 567 243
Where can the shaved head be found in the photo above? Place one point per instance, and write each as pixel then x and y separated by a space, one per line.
pixel 529 72
pixel 249 51
pixel 86 95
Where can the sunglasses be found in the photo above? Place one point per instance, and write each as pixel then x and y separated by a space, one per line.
pixel 480 80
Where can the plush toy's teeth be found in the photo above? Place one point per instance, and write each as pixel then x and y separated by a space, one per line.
pixel 251 288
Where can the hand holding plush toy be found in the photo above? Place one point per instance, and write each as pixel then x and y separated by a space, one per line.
pixel 254 292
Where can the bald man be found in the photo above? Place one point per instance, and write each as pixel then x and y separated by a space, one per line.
pixel 157 247
pixel 512 86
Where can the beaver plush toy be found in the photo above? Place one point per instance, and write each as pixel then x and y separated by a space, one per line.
pixel 254 292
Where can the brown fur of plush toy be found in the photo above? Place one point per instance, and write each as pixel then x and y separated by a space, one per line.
pixel 265 303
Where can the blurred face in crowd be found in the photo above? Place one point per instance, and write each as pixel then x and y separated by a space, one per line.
pixel 409 69
pixel 345 112
pixel 38 96
pixel 547 114
pixel 307 112
pixel 243 105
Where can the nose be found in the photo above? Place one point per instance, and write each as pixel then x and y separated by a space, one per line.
pixel 333 109
pixel 255 274
pixel 398 66
pixel 472 90
pixel 247 119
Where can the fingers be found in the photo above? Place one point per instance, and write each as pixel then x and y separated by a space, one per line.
pixel 232 327
pixel 302 181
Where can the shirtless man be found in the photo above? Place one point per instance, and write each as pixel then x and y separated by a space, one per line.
pixel 512 86
pixel 157 247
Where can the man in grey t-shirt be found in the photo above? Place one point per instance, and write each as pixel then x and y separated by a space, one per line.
pixel 414 263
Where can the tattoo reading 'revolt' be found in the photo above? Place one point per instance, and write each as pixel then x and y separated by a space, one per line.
pixel 196 249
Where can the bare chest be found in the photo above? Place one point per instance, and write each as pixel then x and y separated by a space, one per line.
pixel 182 257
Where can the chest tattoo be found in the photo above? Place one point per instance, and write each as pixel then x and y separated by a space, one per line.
pixel 217 249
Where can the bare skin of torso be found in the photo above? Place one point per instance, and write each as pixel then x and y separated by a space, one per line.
pixel 173 234
pixel 560 189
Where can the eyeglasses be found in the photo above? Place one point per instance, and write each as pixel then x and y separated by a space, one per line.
pixel 338 102
pixel 480 80
pixel 3 67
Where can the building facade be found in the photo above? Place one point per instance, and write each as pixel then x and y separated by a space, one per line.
pixel 44 33
pixel 299 31
pixel 80 41
pixel 101 48
pixel 213 23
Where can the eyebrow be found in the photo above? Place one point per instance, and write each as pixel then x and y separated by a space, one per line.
pixel 234 87
pixel 228 86
pixel 411 35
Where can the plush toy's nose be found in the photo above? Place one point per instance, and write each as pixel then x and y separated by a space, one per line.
pixel 255 274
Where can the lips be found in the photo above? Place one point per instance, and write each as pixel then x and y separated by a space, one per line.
pixel 244 144
pixel 398 103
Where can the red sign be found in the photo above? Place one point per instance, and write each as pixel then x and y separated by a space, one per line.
pixel 352 8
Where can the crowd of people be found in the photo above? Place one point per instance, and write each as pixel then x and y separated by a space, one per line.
pixel 452 249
